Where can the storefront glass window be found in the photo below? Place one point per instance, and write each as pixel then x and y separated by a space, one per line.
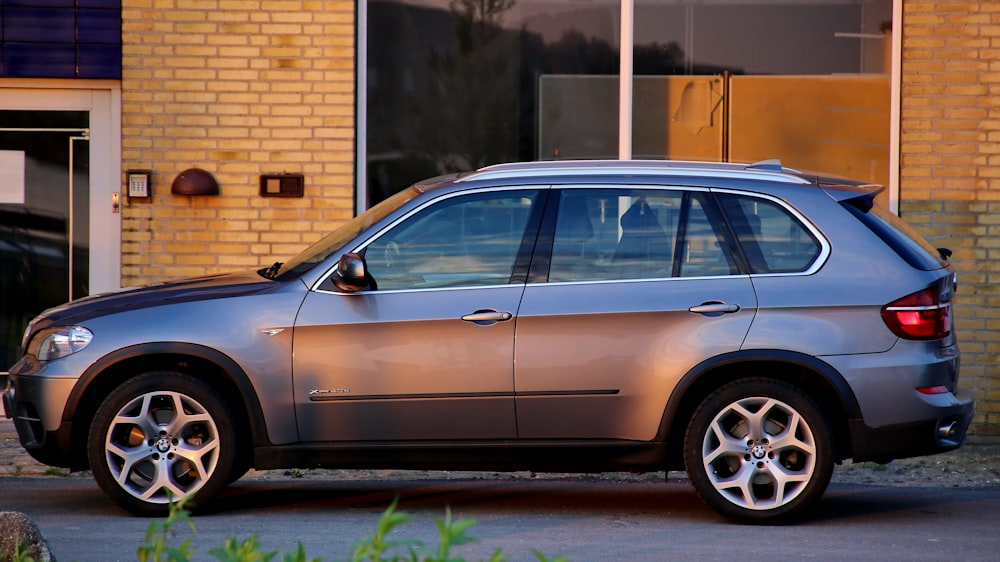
pixel 458 84
pixel 805 81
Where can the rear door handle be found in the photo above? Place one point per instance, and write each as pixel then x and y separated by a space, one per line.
pixel 486 317
pixel 715 308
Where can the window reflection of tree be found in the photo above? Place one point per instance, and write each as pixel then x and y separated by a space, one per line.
pixel 466 116
pixel 454 91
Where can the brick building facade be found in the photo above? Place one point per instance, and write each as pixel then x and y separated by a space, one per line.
pixel 950 170
pixel 241 88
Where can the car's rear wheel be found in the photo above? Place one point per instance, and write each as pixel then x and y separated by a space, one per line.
pixel 759 451
pixel 159 437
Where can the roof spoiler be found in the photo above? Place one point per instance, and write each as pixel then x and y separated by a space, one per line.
pixel 859 196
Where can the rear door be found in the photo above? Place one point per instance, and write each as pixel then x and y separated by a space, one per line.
pixel 641 285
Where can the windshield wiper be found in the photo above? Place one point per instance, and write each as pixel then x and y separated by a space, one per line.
pixel 271 272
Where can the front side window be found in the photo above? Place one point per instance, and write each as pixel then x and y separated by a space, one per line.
pixel 468 240
pixel 608 234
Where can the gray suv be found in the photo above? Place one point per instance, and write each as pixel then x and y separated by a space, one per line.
pixel 750 324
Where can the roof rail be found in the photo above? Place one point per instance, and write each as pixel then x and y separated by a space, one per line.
pixel 767 169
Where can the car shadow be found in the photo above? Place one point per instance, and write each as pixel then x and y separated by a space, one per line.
pixel 511 496
pixel 868 501
pixel 505 496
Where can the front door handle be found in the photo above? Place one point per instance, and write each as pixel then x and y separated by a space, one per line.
pixel 488 316
pixel 714 308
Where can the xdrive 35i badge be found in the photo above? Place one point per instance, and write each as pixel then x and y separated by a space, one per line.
pixel 314 393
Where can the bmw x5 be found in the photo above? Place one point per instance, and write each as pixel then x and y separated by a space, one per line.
pixel 749 324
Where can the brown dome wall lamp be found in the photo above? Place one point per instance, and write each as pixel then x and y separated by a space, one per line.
pixel 195 181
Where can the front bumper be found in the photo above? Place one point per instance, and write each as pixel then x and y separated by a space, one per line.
pixel 35 404
pixel 940 434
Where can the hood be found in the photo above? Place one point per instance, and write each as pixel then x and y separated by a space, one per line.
pixel 158 294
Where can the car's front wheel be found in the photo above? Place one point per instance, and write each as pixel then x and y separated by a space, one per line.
pixel 159 437
pixel 759 451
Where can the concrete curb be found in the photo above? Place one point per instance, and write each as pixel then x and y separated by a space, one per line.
pixel 17 529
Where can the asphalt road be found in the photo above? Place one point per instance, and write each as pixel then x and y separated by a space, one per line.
pixel 583 519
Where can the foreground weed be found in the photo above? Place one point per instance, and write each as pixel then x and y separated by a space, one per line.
pixel 249 551
pixel 157 546
pixel 23 552
pixel 451 533
pixel 377 547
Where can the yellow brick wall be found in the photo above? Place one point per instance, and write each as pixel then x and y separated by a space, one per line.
pixel 237 88
pixel 950 169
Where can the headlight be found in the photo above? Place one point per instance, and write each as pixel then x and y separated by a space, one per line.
pixel 54 343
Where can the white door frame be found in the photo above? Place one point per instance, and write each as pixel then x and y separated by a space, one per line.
pixel 102 99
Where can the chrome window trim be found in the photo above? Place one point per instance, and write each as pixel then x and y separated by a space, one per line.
pixel 815 266
pixel 433 200
pixel 427 290
pixel 637 280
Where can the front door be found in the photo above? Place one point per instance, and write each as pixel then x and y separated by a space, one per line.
pixel 427 352
pixel 59 229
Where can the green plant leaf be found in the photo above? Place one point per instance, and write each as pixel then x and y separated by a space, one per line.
pixel 376 545
pixel 246 551
pixel 299 555
pixel 157 545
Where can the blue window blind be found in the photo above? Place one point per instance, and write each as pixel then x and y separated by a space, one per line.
pixel 61 38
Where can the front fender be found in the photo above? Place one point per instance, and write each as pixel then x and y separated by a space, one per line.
pixel 113 368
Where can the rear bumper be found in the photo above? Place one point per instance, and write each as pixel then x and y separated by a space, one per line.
pixel 939 434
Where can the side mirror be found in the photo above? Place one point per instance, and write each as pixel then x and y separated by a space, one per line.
pixel 351 275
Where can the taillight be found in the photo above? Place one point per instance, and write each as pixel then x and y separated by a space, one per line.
pixel 933 389
pixel 919 316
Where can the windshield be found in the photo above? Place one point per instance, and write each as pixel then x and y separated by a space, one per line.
pixel 334 241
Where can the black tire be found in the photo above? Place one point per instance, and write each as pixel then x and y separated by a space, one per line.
pixel 759 451
pixel 144 455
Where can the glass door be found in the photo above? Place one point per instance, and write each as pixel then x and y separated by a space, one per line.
pixel 44 219
pixel 59 228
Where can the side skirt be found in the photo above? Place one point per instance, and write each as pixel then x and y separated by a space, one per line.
pixel 503 456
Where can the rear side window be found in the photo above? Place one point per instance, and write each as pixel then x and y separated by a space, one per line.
pixel 773 240
pixel 623 233
pixel 899 236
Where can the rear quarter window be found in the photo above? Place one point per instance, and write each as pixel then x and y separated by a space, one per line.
pixel 772 240
pixel 901 237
